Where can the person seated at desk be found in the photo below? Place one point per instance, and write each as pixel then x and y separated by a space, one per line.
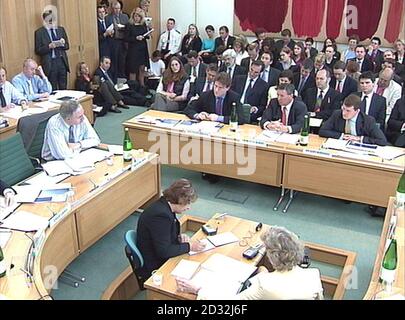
pixel 203 84
pixel 352 124
pixel 158 230
pixel 288 281
pixel 396 124
pixel 68 132
pixel 285 114
pixel 7 192
pixel 216 105
pixel 9 95
pixel 32 82
pixel 322 100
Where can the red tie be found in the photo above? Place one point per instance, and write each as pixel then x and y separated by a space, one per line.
pixel 380 91
pixel 284 116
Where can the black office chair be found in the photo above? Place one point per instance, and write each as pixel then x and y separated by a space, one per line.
pixel 134 256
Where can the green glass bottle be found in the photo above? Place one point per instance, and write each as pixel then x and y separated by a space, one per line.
pixel 234 118
pixel 127 147
pixel 389 265
pixel 3 268
pixel 304 138
pixel 400 198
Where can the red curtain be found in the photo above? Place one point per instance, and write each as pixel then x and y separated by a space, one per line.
pixel 267 14
pixel 394 18
pixel 334 18
pixel 307 17
pixel 369 15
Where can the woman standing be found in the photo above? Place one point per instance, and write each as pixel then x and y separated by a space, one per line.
pixel 173 89
pixel 138 55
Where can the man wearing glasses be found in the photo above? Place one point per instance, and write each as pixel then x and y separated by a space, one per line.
pixel 68 132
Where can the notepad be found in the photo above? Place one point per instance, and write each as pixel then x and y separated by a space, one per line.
pixel 25 221
pixel 185 269
pixel 222 239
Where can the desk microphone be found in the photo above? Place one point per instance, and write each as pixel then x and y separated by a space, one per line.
pixel 53 212
pixel 95 186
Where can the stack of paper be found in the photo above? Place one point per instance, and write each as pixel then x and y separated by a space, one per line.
pixel 223 239
pixel 274 136
pixel 25 222
pixel 208 246
pixel 60 95
pixel 5 235
pixel 185 269
pixel 335 144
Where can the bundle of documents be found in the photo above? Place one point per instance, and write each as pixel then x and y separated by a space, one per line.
pixel 64 95
pixel 81 163
pixel 211 242
pixel 24 221
pixel 227 273
pixel 274 136
pixel 17 113
pixel 164 123
pixel 199 127
pixel 36 194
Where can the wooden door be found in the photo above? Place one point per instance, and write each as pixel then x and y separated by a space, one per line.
pixel 89 34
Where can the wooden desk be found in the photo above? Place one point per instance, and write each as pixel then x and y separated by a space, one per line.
pixel 375 289
pixel 92 215
pixel 86 102
pixel 334 287
pixel 368 180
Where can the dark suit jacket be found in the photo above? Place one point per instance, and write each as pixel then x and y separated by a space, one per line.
pixel 207 102
pixel 219 42
pixel 280 45
pixel 378 108
pixel 195 45
pixel 124 19
pixel 239 71
pixel 157 236
pixel 103 42
pixel 366 66
pixel 202 68
pixel 395 123
pixel 294 68
pixel 365 126
pixel 310 83
pixel 42 41
pixel 273 77
pixel 349 87
pixel 257 97
pixel 313 53
pixel 295 118
pixel 197 88
pixel 377 61
pixel 245 63
pixel 329 104
pixel 102 76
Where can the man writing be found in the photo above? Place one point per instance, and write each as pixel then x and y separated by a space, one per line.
pixel 68 132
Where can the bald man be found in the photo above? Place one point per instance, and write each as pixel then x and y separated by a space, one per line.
pixel 32 81
pixel 386 86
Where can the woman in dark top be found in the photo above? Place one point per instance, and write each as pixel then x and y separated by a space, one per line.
pixel 138 55
pixel 191 41
pixel 331 42
pixel 173 89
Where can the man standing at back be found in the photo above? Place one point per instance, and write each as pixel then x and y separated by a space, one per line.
pixel 51 44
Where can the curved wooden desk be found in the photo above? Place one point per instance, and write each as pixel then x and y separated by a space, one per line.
pixel 375 289
pixel 86 102
pixel 93 214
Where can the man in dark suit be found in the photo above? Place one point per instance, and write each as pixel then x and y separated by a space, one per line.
pixel 322 100
pixel 305 80
pixel 284 114
pixel 216 105
pixel 396 124
pixel 269 74
pixel 375 55
pixel 104 36
pixel 319 64
pixel 203 84
pixel 117 44
pixel 195 68
pixel 286 40
pixel 224 38
pixel 51 44
pixel 229 64
pixel 253 52
pixel 361 58
pixel 310 51
pixel 372 104
pixel 252 90
pixel 352 124
pixel 389 59
pixel 341 82
pixel 159 236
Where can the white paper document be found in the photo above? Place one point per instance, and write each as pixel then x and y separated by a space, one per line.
pixel 116 149
pixel 185 269
pixel 42 179
pixel 63 95
pixel 274 136
pixel 26 193
pixel 314 122
pixel 335 144
pixel 121 87
pixel 25 221
pixel 223 239
pixel 46 105
pixel 208 246
pixel 5 235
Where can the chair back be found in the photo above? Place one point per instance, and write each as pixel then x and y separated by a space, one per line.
pixel 134 255
pixel 15 165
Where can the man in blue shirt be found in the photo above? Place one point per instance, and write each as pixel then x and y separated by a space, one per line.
pixel 68 132
pixel 32 81
pixel 9 96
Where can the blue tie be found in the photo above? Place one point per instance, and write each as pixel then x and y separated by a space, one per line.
pixel 218 106
pixel 71 135
pixel 54 35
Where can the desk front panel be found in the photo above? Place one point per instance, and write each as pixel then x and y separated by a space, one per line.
pixel 214 156
pixel 101 214
pixel 338 180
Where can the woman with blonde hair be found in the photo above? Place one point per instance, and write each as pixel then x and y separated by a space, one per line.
pixel 138 55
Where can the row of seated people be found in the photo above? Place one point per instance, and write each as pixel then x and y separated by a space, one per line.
pixel 181 90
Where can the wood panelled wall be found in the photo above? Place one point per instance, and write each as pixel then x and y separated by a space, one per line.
pixel 20 19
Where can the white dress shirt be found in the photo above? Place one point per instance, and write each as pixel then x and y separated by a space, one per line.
pixel 11 94
pixel 368 101
pixel 174 42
